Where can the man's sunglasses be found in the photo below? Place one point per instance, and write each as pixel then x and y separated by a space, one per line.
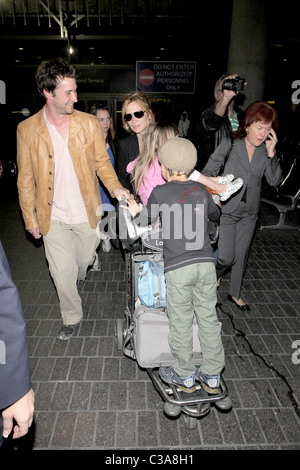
pixel 137 114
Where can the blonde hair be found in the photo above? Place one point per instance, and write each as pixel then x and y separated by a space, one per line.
pixel 140 98
pixel 157 134
pixel 187 173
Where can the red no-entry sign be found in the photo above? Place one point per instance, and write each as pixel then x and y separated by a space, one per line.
pixel 146 77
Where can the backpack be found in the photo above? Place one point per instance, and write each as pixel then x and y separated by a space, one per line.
pixel 151 284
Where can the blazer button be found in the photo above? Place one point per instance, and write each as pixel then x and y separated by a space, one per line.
pixel 49 188
pixel 49 203
pixel 50 156
pixel 50 172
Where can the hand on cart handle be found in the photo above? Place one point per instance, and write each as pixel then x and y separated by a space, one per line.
pixel 122 193
pixel 132 206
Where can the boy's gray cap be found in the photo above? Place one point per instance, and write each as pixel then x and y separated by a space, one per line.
pixel 178 154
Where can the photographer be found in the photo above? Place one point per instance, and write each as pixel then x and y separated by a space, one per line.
pixel 222 119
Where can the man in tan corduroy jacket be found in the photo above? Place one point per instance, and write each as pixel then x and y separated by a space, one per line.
pixel 60 153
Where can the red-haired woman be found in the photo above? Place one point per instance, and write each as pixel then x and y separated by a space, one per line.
pixel 252 156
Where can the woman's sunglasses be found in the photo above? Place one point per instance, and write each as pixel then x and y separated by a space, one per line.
pixel 137 114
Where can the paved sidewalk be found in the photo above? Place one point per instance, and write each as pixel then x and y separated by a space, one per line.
pixel 89 396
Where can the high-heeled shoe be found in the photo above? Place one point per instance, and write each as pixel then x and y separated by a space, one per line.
pixel 243 307
pixel 232 187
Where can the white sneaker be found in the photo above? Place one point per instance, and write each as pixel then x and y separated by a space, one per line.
pixel 225 179
pixel 106 245
pixel 232 187
pixel 95 264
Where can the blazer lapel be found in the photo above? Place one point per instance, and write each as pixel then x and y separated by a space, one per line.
pixel 42 129
pixel 74 127
pixel 244 154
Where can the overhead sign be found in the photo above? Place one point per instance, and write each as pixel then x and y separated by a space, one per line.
pixel 165 77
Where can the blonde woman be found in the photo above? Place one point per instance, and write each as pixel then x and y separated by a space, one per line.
pixel 145 170
pixel 136 116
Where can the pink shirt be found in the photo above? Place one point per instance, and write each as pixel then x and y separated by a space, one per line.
pixel 152 178
pixel 67 206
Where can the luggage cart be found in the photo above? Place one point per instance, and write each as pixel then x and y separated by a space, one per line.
pixel 143 334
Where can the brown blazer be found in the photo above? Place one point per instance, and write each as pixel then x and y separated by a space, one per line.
pixel 36 167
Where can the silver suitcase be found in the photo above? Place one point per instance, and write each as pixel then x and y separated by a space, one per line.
pixel 150 337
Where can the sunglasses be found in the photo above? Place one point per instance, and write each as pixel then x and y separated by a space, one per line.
pixel 137 114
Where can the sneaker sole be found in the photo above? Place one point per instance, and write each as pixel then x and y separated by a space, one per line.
pixel 181 387
pixel 65 337
pixel 184 389
pixel 211 391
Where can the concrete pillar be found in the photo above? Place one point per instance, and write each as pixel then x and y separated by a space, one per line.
pixel 248 47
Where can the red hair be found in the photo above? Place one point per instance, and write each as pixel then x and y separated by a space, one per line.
pixel 257 111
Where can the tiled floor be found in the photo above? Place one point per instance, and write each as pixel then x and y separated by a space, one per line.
pixel 89 396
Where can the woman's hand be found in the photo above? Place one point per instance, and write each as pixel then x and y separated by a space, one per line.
pixel 271 142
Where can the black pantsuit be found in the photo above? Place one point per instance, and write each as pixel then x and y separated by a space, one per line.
pixel 235 235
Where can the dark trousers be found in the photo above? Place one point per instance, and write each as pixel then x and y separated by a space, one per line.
pixel 235 236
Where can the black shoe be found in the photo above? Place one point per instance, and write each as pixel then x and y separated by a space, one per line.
pixel 66 332
pixel 244 307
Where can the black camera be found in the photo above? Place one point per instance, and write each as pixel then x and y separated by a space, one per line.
pixel 235 84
